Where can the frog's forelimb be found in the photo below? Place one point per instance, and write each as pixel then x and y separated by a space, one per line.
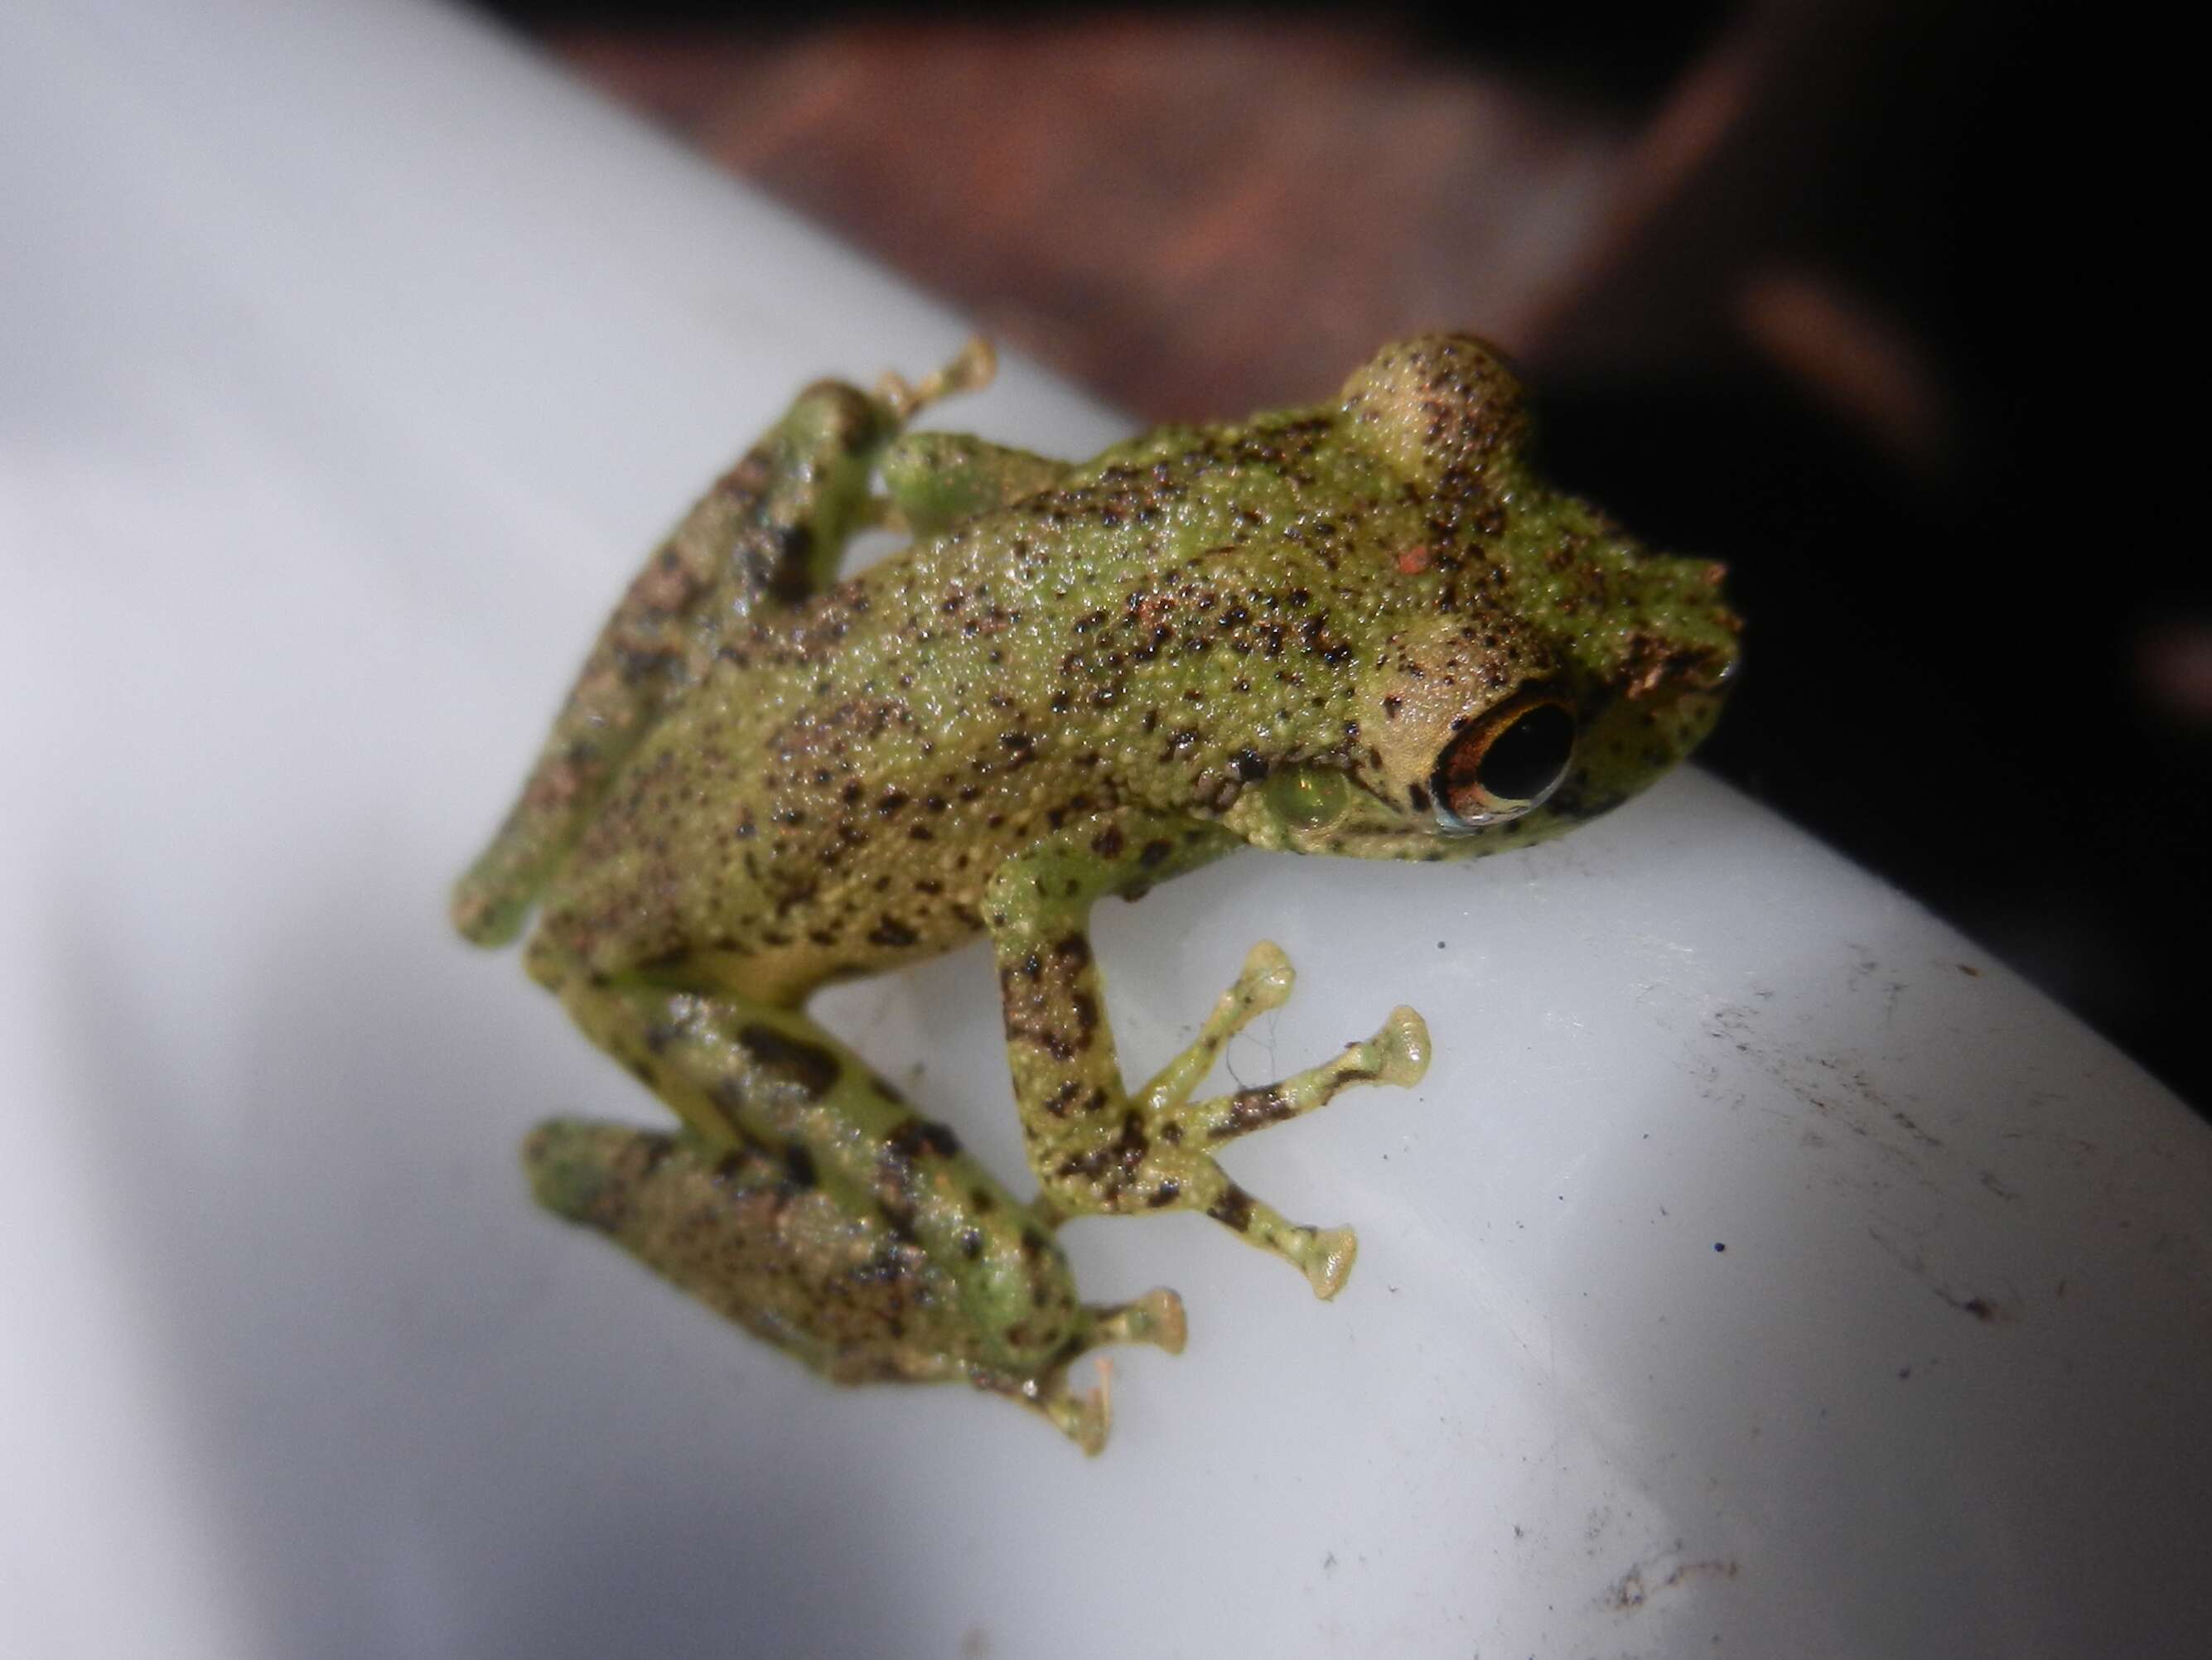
pixel 1096 1148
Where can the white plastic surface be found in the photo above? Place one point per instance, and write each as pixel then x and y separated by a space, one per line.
pixel 347 361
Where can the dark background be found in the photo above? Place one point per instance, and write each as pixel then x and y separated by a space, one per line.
pixel 1844 294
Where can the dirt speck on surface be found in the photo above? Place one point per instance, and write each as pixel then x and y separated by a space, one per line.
pixel 1647 1580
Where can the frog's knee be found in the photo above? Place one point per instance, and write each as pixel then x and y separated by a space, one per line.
pixel 1021 1296
pixel 1438 403
pixel 937 478
pixel 547 957
pixel 836 416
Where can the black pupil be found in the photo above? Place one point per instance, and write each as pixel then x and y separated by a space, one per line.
pixel 1527 758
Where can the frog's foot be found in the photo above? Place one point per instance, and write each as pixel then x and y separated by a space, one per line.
pixel 1180 1131
pixel 1085 1416
pixel 972 369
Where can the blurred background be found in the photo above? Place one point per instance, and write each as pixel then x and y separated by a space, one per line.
pixel 1835 290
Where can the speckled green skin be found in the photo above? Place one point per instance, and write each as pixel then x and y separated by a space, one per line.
pixel 1303 632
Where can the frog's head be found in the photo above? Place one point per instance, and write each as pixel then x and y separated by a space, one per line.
pixel 1536 670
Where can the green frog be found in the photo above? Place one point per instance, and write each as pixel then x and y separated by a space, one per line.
pixel 1363 628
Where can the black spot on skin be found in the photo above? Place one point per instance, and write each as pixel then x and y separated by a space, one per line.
pixel 798 1166
pixel 1164 1194
pixel 1233 1208
pixel 891 932
pixel 1107 844
pixel 1418 797
pixel 971 1243
pixel 812 1068
pixel 1249 1110
pixel 1130 1145
pixel 1250 767
pixel 1153 852
pixel 1073 948
pixel 916 1135
pixel 1085 1007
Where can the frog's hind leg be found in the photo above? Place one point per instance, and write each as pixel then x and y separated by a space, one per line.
pixel 766 1095
pixel 771 531
pixel 844 1294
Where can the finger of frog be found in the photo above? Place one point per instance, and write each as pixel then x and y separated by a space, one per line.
pixel 1398 1054
pixel 1192 1181
pixel 1262 985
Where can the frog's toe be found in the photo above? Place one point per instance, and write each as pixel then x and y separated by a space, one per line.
pixel 1401 1049
pixel 1084 1416
pixel 1327 1259
pixel 1157 1318
pixel 973 368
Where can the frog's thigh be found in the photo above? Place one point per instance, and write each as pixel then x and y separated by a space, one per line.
pixel 746 1076
pixel 1095 1148
pixel 769 532
pixel 837 1293
pixel 840 1291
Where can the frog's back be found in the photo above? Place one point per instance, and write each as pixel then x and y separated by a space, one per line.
pixel 832 796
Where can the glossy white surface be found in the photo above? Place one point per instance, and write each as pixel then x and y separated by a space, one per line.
pixel 347 360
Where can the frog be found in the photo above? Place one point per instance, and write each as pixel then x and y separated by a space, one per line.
pixel 1366 628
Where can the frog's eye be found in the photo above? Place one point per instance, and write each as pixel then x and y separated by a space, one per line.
pixel 1507 762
